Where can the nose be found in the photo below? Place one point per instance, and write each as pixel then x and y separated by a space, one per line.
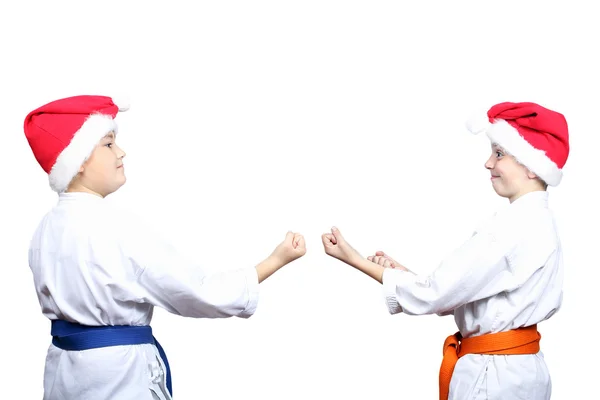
pixel 121 153
pixel 489 164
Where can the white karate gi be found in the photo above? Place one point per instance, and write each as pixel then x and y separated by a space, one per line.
pixel 95 267
pixel 509 274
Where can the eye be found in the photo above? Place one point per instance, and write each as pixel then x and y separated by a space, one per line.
pixel 109 145
pixel 499 154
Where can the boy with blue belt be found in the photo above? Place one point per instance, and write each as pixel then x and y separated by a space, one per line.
pixel 99 274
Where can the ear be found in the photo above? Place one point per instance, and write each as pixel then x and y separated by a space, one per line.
pixel 531 175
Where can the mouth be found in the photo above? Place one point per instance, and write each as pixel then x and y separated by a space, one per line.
pixel 494 177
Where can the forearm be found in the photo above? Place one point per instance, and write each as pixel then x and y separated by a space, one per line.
pixel 267 268
pixel 191 293
pixel 369 268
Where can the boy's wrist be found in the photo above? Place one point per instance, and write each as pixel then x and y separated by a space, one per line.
pixel 275 261
pixel 268 267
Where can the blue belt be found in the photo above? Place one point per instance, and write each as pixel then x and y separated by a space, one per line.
pixel 71 336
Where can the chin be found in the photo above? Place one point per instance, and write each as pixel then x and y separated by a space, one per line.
pixel 501 193
pixel 504 194
pixel 117 185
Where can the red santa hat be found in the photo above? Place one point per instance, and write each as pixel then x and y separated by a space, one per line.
pixel 62 134
pixel 536 136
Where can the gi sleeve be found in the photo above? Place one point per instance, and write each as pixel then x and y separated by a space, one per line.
pixel 478 269
pixel 165 278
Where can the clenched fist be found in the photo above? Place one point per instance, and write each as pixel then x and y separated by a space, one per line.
pixel 336 246
pixel 292 248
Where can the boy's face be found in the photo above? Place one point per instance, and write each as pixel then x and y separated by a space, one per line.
pixel 103 172
pixel 509 178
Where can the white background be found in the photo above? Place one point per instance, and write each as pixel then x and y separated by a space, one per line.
pixel 252 118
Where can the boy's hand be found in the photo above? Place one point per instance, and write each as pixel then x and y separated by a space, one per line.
pixel 385 261
pixel 292 248
pixel 336 246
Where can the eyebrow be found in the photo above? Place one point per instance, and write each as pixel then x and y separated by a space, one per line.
pixel 109 136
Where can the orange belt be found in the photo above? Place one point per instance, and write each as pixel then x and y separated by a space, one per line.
pixel 516 341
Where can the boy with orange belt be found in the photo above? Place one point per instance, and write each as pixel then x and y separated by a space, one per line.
pixel 503 281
